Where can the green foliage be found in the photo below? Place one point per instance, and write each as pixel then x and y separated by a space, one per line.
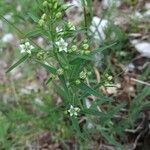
pixel 4 126
pixel 18 63
pixel 70 65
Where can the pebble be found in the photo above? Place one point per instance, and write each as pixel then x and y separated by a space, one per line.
pixel 147 13
pixel 109 3
pixel 142 47
pixel 8 38
pixel 97 27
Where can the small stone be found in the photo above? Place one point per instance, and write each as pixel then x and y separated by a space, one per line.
pixel 8 38
pixel 142 47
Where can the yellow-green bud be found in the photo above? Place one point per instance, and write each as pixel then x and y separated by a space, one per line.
pixel 43 17
pixel 85 46
pixel 87 52
pixel 82 75
pixel 66 67
pixel 40 55
pixel 45 3
pixel 41 22
pixel 55 5
pixel 89 73
pixel 82 52
pixel 58 15
pixel 60 71
pixel 69 50
pixel 78 81
pixel 85 41
pixel 74 48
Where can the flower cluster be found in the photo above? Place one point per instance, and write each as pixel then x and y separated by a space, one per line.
pixel 73 110
pixel 62 45
pixel 42 20
pixel 108 79
pixel 26 48
pixel 60 71
pixel 83 74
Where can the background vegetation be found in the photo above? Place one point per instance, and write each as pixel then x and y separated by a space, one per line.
pixel 114 97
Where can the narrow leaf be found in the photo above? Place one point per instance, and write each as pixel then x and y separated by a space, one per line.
pixel 49 80
pixel 89 90
pixel 17 63
pixel 103 48
pixel 47 67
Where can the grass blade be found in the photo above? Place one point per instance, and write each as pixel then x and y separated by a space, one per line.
pixel 47 67
pixel 17 63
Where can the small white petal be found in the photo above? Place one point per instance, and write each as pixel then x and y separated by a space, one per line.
pixel 60 50
pixel 66 44
pixel 75 113
pixel 28 51
pixel 31 47
pixel 22 46
pixel 76 109
pixel 57 43
pixel 62 40
pixel 65 49
pixel 27 44
pixel 22 51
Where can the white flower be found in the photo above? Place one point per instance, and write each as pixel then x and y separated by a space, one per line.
pixel 26 47
pixel 73 110
pixel 62 45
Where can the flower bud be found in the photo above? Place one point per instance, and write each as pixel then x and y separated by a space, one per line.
pixel 77 81
pixel 55 5
pixel 85 41
pixel 66 67
pixel 87 52
pixel 74 48
pixel 85 46
pixel 82 52
pixel 89 73
pixel 60 71
pixel 69 50
pixel 41 22
pixel 82 75
pixel 41 55
pixel 58 15
pixel 45 4
pixel 43 16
